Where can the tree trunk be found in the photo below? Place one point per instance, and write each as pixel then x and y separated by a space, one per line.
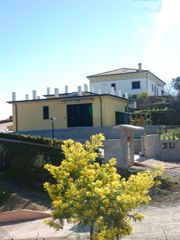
pixel 91 232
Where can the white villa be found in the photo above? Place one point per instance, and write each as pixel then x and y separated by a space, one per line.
pixel 127 81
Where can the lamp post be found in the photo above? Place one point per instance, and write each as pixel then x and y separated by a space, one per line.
pixel 52 122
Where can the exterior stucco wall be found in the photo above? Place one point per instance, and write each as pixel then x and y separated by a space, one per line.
pixel 110 106
pixel 125 85
pixel 30 113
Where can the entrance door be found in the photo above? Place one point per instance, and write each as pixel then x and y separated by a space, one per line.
pixel 122 118
pixel 79 115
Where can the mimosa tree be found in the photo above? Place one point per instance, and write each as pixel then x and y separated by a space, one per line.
pixel 87 193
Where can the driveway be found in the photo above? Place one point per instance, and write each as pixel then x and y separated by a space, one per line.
pixel 160 223
pixel 3 126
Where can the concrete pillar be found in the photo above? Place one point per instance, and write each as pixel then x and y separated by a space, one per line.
pixel 66 89
pixel 112 90
pixel 128 147
pixel 92 89
pixel 56 92
pixel 126 95
pixel 85 88
pixel 34 93
pixel 26 96
pixel 13 96
pixel 79 91
pixel 48 90
pixel 119 93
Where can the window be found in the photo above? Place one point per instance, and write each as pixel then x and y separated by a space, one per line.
pixel 46 112
pixel 157 92
pixel 114 86
pixel 162 92
pixel 164 145
pixel 152 87
pixel 136 85
pixel 172 145
pixel 154 90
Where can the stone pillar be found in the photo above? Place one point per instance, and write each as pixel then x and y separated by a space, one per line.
pixel 127 147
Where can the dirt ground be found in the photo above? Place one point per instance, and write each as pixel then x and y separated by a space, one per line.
pixel 18 197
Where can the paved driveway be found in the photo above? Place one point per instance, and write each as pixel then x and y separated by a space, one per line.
pixel 160 223
pixel 3 126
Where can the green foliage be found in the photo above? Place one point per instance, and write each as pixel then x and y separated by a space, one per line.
pixel 38 162
pixel 87 193
pixel 176 83
pixel 169 134
pixel 140 119
pixel 6 120
pixel 33 139
pixel 3 195
pixel 143 95
pixel 24 163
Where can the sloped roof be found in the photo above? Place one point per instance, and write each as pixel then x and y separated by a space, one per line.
pixel 123 71
pixel 118 71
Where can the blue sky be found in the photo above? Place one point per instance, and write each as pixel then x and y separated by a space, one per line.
pixel 53 43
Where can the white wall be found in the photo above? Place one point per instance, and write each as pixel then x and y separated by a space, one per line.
pixel 125 85
pixel 155 87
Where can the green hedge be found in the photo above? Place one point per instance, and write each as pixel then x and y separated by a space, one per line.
pixel 23 163
pixel 34 139
pixel 6 120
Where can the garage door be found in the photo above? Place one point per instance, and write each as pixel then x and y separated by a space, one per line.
pixel 79 115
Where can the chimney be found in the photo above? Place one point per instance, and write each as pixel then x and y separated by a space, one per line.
pixel 112 90
pixel 85 87
pixel 34 92
pixel 120 93
pixel 48 90
pixel 13 96
pixel 79 91
pixel 126 95
pixel 56 92
pixel 66 89
pixel 140 66
pixel 26 96
pixel 92 89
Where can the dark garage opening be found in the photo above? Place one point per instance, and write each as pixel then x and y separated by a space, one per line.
pixel 79 115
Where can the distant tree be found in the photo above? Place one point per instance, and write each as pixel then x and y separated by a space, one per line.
pixel 143 95
pixel 169 89
pixel 176 84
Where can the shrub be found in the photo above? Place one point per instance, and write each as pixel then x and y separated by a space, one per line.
pixel 87 193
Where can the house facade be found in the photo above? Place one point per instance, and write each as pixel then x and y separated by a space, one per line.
pixel 132 81
pixel 77 109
